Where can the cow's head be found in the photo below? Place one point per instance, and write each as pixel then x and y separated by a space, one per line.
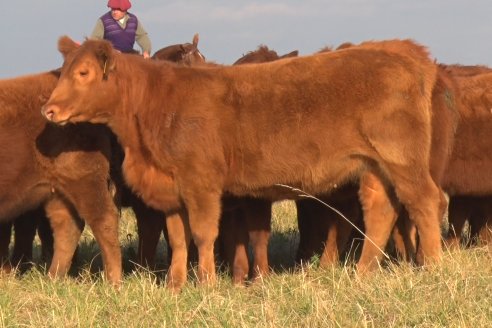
pixel 86 91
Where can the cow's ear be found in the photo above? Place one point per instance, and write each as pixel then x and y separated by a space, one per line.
pixel 106 55
pixel 67 45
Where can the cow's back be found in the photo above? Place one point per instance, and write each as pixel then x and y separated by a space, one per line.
pixel 307 102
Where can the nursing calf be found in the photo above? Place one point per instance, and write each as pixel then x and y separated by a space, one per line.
pixel 191 135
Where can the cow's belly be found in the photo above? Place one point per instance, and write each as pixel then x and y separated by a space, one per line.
pixel 291 182
pixel 18 202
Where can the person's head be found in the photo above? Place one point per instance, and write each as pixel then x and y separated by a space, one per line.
pixel 119 8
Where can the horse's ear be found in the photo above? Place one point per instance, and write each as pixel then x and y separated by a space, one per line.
pixel 66 45
pixel 195 40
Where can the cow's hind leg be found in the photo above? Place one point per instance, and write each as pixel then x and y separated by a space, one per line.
pixel 485 232
pixel 457 216
pixel 150 224
pixel 405 238
pixel 45 234
pixel 179 236
pixel 479 222
pixel 379 218
pixel 313 222
pixel 237 247
pixel 339 228
pixel 258 217
pixel 24 232
pixel 98 210
pixel 422 199
pixel 66 233
pixel 104 226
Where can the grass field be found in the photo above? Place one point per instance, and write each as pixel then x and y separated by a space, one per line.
pixel 456 293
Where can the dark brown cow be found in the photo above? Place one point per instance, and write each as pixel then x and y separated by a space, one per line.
pixel 322 231
pixel 478 212
pixel 192 134
pixel 25 228
pixel 64 169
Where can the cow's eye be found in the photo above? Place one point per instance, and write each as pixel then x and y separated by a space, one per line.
pixel 84 73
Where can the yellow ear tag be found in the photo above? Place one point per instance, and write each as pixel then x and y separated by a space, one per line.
pixel 105 76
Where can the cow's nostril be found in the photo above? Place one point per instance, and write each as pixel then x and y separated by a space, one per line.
pixel 48 112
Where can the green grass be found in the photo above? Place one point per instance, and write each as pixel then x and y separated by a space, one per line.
pixel 455 293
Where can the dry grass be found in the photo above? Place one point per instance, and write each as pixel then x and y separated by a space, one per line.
pixel 453 294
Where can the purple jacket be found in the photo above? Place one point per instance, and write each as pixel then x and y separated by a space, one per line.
pixel 122 39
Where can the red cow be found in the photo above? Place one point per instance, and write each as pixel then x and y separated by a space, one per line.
pixel 191 135
pixel 66 170
pixel 466 175
pixel 243 220
pixel 468 179
pixel 445 101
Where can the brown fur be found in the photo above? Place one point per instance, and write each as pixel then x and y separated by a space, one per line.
pixel 184 54
pixel 263 55
pixel 469 171
pixel 192 134
pixel 64 169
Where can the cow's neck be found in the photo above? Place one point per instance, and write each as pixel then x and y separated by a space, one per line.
pixel 146 172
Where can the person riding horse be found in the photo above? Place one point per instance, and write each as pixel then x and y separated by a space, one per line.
pixel 122 29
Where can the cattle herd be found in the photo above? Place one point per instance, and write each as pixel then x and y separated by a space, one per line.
pixel 378 130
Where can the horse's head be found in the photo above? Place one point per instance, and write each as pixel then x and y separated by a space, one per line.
pixel 184 54
pixel 262 55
